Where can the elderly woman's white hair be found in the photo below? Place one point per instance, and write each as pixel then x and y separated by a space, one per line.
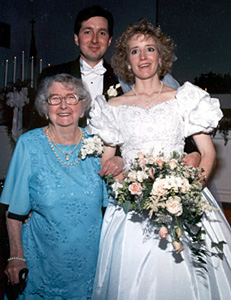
pixel 69 82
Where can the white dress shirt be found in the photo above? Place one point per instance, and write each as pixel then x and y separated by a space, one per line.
pixel 93 77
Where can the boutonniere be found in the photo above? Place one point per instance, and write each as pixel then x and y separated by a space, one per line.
pixel 113 91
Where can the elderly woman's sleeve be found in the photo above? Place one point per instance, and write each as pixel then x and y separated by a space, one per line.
pixel 104 122
pixel 16 187
pixel 199 111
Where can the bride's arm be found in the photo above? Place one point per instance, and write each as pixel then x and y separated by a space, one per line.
pixel 207 150
pixel 111 164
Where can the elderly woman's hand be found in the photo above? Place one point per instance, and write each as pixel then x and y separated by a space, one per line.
pixel 193 159
pixel 12 270
pixel 113 166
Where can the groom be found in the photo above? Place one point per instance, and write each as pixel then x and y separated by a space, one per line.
pixel 93 30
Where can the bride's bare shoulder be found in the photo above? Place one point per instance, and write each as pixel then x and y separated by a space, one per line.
pixel 121 100
pixel 168 92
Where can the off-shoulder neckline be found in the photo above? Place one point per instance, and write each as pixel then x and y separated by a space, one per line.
pixel 146 109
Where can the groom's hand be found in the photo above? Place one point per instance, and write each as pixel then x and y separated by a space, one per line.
pixel 113 166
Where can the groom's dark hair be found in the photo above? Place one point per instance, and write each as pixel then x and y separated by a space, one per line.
pixel 94 11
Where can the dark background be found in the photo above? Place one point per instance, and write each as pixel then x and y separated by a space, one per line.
pixel 201 30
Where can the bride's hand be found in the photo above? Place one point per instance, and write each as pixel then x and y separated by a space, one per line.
pixel 193 159
pixel 113 166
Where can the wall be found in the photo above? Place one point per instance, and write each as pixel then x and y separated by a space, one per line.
pixel 222 172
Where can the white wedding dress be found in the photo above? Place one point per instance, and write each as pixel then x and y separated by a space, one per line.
pixel 133 263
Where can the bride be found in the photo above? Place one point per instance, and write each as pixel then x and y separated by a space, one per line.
pixel 134 264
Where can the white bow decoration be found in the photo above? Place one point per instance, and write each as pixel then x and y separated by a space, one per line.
pixel 17 100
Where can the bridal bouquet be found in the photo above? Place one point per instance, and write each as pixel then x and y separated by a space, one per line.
pixel 170 191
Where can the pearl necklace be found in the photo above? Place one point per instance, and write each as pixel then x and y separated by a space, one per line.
pixel 52 144
pixel 147 105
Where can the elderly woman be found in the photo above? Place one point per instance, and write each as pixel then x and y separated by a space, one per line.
pixel 48 177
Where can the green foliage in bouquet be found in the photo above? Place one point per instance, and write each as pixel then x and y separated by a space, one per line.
pixel 171 192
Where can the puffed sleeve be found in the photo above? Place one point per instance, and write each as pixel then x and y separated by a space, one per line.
pixel 200 112
pixel 104 122
pixel 16 187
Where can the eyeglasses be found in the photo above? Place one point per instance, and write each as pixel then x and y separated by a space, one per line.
pixel 71 99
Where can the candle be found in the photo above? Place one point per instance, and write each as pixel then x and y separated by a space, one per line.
pixel 14 73
pixel 22 65
pixel 6 73
pixel 40 65
pixel 32 72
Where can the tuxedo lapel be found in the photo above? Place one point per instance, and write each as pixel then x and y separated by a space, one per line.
pixel 109 80
pixel 75 68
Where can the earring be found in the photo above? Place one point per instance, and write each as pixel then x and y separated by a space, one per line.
pixel 129 67
pixel 47 117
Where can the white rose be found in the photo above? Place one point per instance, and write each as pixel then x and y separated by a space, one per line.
pixel 83 153
pixel 174 206
pixel 141 176
pixel 178 181
pixel 112 92
pixel 151 160
pixel 185 185
pixel 172 164
pixel 116 186
pixel 158 187
pixel 169 182
pixel 132 175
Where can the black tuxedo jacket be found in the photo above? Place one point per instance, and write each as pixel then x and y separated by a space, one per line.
pixel 73 68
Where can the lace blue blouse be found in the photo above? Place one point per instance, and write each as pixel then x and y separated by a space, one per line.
pixel 61 239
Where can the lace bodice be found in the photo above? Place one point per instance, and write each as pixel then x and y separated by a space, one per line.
pixel 163 127
pixel 139 130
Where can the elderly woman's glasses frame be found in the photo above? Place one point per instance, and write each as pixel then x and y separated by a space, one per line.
pixel 71 99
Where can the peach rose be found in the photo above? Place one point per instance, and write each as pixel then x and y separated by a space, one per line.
pixel 179 232
pixel 141 160
pixel 163 232
pixel 140 154
pixel 177 246
pixel 160 162
pixel 135 188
